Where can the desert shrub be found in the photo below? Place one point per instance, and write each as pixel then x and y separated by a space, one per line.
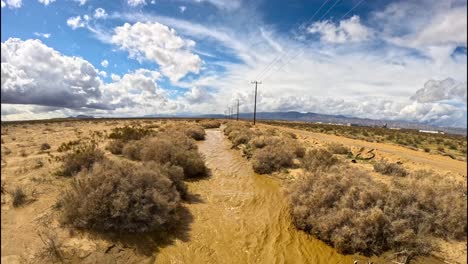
pixel 349 210
pixel 115 146
pixel 427 150
pixel 131 150
pixel 66 146
pixel 45 146
pixel 121 197
pixel 318 159
pixel 441 149
pixel 128 133
pixel 19 196
pixel 210 124
pixel 387 168
pixel 258 142
pixel 82 156
pixel 175 149
pixel 337 148
pixel 195 131
pixel 271 158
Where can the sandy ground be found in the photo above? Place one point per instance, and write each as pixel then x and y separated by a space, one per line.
pixel 25 165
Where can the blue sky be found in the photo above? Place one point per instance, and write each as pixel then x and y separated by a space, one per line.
pixel 396 60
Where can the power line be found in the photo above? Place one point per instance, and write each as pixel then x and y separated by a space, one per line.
pixel 279 57
pixel 302 49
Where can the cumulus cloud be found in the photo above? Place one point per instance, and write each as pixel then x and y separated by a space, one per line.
pixel 348 30
pixel 104 63
pixel 182 9
pixel 42 35
pixel 435 28
pixel 46 2
pixel 136 2
pixel 12 3
pixel 161 44
pixel 198 96
pixel 75 22
pixel 435 91
pixel 100 13
pixel 33 73
pixel 115 77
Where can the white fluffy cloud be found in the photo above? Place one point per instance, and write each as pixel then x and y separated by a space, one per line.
pixel 182 9
pixel 161 44
pixel 12 3
pixel 46 2
pixel 33 73
pixel 104 63
pixel 349 30
pixel 136 2
pixel 198 96
pixel 75 22
pixel 100 13
pixel 447 89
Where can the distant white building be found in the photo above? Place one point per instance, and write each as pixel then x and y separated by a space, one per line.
pixel 431 131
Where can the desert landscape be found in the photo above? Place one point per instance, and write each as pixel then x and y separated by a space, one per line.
pixel 225 191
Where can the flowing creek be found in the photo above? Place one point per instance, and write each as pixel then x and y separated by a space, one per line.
pixel 242 217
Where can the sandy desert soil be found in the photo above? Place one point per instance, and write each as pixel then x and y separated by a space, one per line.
pixel 233 216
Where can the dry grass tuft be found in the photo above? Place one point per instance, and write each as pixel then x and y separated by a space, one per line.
pixel 19 196
pixel 45 146
pixel 387 168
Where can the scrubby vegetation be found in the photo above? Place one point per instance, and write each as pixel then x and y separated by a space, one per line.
pixel 318 159
pixel 337 148
pixel 392 169
pixel 436 143
pixel 174 148
pixel 122 135
pixel 121 197
pixel 210 123
pixel 191 130
pixel 19 196
pixel 348 209
pixel 269 150
pixel 82 156
pixel 45 146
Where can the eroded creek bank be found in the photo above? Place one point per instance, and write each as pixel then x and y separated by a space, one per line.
pixel 242 217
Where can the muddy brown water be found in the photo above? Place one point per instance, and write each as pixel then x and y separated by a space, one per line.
pixel 242 217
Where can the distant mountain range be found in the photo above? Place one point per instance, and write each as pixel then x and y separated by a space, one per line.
pixel 314 117
pixel 341 119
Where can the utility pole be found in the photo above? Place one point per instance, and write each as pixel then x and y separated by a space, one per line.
pixel 255 104
pixel 238 109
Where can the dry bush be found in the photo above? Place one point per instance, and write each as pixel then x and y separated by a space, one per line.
pixel 174 148
pixel 23 153
pixel 82 156
pixel 132 149
pixel 349 210
pixel 210 123
pixel 272 158
pixel 128 133
pixel 66 146
pixel 318 159
pixel 387 168
pixel 337 148
pixel 19 196
pixel 45 146
pixel 52 245
pixel 195 131
pixel 115 146
pixel 121 197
